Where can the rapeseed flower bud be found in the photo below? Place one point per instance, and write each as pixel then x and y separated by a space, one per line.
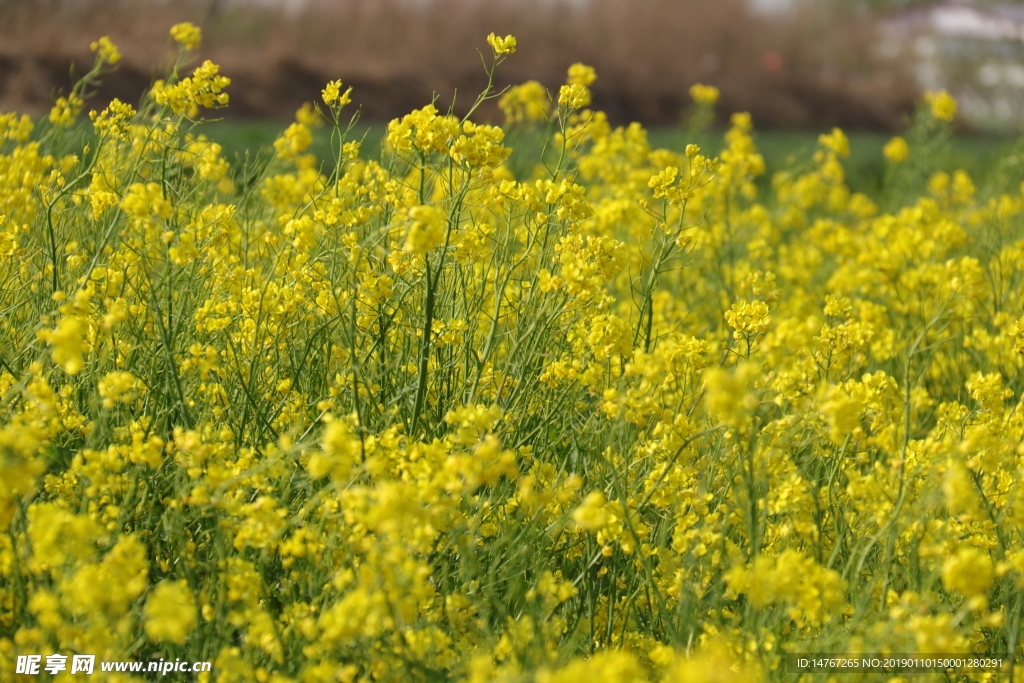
pixel 662 181
pixel 422 129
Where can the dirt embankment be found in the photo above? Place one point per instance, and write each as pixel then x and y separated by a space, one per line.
pixel 804 72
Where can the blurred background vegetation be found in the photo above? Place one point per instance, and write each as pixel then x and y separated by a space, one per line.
pixel 799 67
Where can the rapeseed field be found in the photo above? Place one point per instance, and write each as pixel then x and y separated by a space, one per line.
pixel 630 418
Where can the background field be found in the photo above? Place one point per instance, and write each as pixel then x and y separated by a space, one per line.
pixel 807 71
pixel 982 156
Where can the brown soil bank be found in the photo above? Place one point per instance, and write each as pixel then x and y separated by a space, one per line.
pixel 801 72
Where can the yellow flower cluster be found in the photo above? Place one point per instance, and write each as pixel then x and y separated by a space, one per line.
pixel 704 94
pixel 525 102
pixel 186 34
pixel 629 414
pixel 204 88
pixel 943 106
pixel 502 46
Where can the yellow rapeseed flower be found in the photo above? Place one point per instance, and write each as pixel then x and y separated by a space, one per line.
pixel 574 96
pixel 106 50
pixel 65 110
pixel 334 97
pixel 942 104
pixel 704 94
pixel 67 342
pixel 170 612
pixel 969 572
pixel 581 74
pixel 896 150
pixel 187 34
pixel 426 231
pixel 525 102
pixel 502 46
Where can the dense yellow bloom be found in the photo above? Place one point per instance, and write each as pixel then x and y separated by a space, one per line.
pixel 146 199
pixel 118 387
pixel 968 571
pixel 792 577
pixel 729 396
pixel 115 120
pixel 574 96
pixel 748 319
pixel 204 88
pixel 13 127
pixel 423 129
pixel 170 612
pixel 340 451
pixel 619 413
pixel 608 335
pixel 295 140
pixel 58 535
pixel 426 231
pixel 480 145
pixel 526 102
